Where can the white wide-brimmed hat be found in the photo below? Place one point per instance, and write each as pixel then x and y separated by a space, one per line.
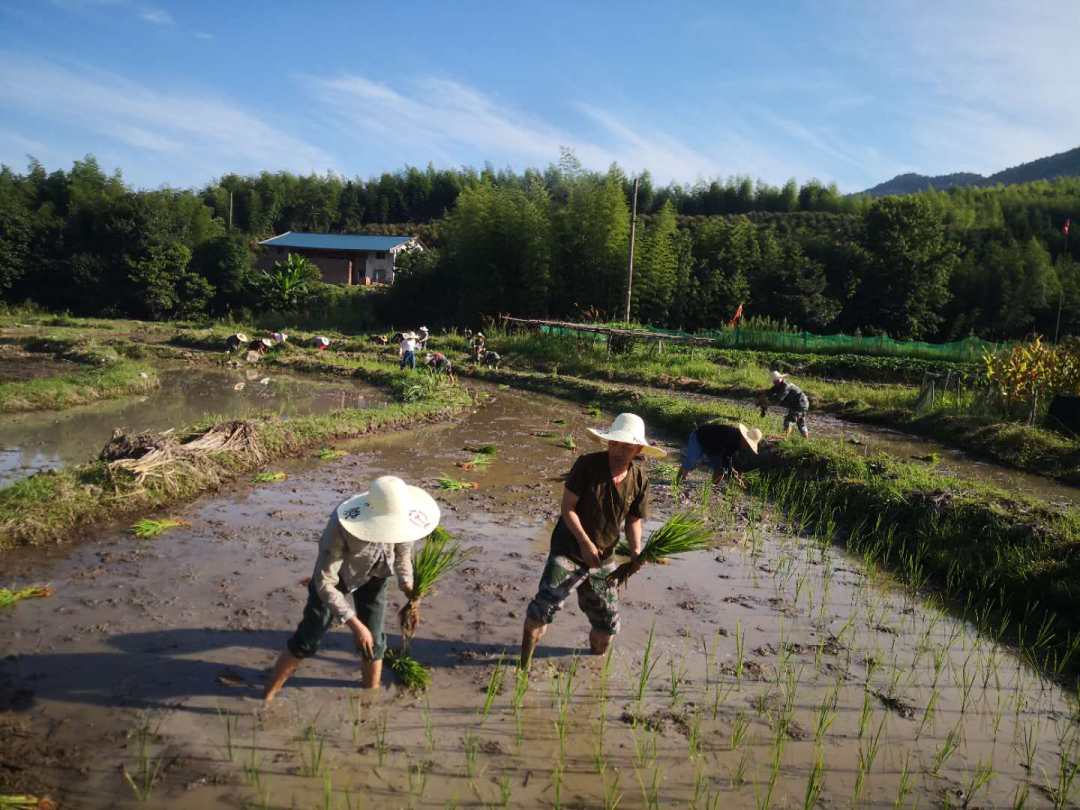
pixel 390 511
pixel 777 376
pixel 423 328
pixel 410 336
pixel 628 428
pixel 751 435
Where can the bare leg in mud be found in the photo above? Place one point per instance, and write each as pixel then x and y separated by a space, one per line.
pixel 371 674
pixel 530 637
pixel 599 642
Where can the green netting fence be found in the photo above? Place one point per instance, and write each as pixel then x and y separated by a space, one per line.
pixel 968 350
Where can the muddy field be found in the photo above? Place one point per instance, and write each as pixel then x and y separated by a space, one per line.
pixel 779 673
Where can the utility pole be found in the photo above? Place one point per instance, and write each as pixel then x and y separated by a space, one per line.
pixel 630 269
pixel 1061 294
pixel 230 210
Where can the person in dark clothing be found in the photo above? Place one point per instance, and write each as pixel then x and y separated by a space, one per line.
pixel 790 396
pixel 718 444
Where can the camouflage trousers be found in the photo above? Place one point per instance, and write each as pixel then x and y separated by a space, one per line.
pixel 597 600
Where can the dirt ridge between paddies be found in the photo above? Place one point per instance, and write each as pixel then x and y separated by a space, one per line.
pixel 81 387
pixel 1008 562
pixel 54 506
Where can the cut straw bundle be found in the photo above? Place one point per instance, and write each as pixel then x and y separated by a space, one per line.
pixel 440 555
pixel 683 532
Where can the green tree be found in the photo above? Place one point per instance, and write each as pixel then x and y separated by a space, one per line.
pixel 226 262
pixel 286 287
pixel 906 285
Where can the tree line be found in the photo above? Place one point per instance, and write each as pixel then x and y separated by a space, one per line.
pixel 553 242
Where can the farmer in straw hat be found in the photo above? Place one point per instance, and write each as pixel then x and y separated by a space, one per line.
pixel 407 350
pixel 604 495
pixel 718 444
pixel 790 396
pixel 368 537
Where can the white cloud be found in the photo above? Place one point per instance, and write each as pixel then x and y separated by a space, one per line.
pixel 204 35
pixel 436 118
pixel 198 132
pixel 157 16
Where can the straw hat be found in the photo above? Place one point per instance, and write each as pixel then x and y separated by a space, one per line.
pixel 751 436
pixel 628 428
pixel 410 336
pixel 423 328
pixel 777 376
pixel 391 511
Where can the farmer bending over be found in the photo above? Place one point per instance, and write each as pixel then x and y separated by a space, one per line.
pixel 605 493
pixel 367 537
pixel 719 444
pixel 440 363
pixel 791 397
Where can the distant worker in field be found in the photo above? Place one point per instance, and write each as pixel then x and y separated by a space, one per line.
pixel 477 344
pixel 605 495
pixel 422 339
pixel 407 350
pixel 718 444
pixel 790 396
pixel 368 538
pixel 440 363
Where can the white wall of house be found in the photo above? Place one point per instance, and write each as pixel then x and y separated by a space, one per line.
pixel 380 264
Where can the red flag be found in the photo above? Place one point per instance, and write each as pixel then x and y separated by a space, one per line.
pixel 1065 230
pixel 738 316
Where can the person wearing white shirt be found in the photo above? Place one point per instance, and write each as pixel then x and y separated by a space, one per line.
pixel 407 350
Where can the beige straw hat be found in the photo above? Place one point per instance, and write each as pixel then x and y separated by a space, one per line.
pixel 777 376
pixel 628 428
pixel 751 435
pixel 391 511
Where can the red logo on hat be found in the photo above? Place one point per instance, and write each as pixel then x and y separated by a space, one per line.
pixel 419 518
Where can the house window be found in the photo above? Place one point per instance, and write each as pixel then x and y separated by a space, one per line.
pixel 380 276
pixel 380 254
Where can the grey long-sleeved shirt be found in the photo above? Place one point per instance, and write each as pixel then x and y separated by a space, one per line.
pixel 346 563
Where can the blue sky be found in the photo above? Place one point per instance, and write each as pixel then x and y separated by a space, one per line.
pixel 847 91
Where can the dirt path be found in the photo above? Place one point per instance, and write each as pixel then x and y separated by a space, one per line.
pixel 167 634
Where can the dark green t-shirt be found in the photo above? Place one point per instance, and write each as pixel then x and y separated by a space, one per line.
pixel 602 507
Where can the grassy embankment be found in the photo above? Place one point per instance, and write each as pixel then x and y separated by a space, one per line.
pixel 51 506
pixel 962 424
pixel 78 388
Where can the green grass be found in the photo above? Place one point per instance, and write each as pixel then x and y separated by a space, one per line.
pixel 47 507
pixel 9 597
pixel 328 454
pixel 78 388
pixel 151 527
pixel 269 477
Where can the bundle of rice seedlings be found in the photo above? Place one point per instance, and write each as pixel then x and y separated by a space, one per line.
pixel 485 450
pixel 568 442
pixel 452 484
pixel 440 555
pixel 665 470
pixel 9 597
pixel 545 434
pixel 150 527
pixel 18 802
pixel 326 454
pixel 683 532
pixel 412 674
pixel 269 477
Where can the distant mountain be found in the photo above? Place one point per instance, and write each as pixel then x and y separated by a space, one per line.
pixel 1065 164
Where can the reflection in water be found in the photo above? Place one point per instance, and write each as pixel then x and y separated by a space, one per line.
pixel 40 441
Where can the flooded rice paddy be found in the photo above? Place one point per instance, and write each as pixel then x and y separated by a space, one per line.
pixel 780 672
pixel 31 442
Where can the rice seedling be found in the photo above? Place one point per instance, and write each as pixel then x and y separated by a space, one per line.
pixel 1063 786
pixel 866 713
pixel 483 450
pixel 556 784
pixel 664 470
pixel 558 421
pixel 693 733
pixel 977 780
pixel 740 724
pixel 545 434
pixel 440 555
pixel 764 799
pixel 814 782
pixel 311 757
pixel 381 747
pixel 1029 741
pixel 327 793
pixel 737 776
pixel 230 722
pixel 449 484
pixel 568 442
pixel 681 533
pixel 648 664
pixel 413 675
pixel 612 796
pixel 905 784
pixel 151 527
pixel 947 748
pixel 646 749
pixel 494 686
pixel 328 454
pixel 472 756
pixel 652 793
pixel 929 714
pixel 21 802
pixel 418 776
pixel 740 642
pixel 8 596
pixel 677 676
pixel 825 715
pixel 429 728
pixel 267 477
pixel 147 768
pixel 1020 796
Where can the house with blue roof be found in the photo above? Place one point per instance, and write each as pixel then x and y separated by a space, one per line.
pixel 342 258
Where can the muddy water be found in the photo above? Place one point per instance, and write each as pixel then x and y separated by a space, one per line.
pixel 39 441
pixel 756 635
